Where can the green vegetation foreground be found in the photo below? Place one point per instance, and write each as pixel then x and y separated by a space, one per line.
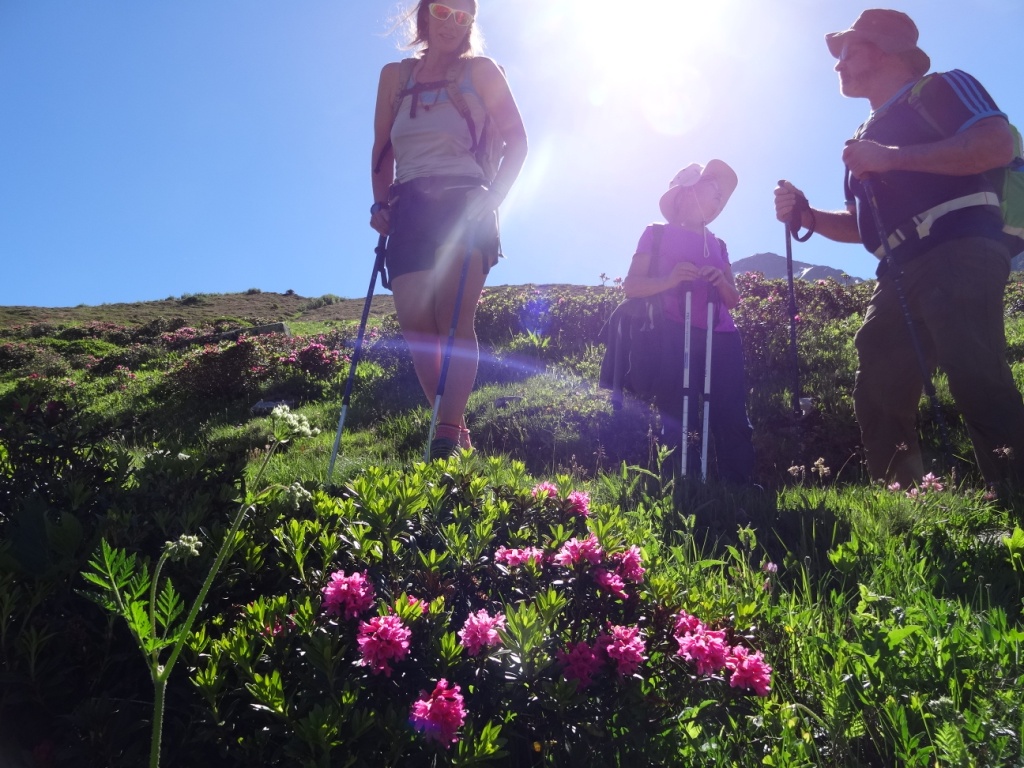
pixel 180 584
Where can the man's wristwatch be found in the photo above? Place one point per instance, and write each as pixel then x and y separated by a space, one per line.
pixel 378 206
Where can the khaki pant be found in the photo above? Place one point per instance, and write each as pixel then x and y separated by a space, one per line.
pixel 955 296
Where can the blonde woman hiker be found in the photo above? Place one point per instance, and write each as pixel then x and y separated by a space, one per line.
pixel 436 202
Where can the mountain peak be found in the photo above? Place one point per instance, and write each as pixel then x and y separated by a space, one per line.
pixel 773 267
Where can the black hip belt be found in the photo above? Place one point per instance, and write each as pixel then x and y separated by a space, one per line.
pixel 431 186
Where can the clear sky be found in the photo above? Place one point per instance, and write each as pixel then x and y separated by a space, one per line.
pixel 157 148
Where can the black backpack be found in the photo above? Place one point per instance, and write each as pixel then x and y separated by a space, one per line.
pixel 634 338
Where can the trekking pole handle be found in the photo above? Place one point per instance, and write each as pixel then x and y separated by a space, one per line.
pixel 795 220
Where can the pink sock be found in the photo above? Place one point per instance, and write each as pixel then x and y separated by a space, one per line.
pixel 448 431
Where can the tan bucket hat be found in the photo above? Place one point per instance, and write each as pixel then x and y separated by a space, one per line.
pixel 716 170
pixel 892 31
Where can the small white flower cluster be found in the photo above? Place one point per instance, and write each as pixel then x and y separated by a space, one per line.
pixel 185 547
pixel 297 425
pixel 296 495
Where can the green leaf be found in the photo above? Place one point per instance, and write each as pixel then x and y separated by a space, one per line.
pixel 1015 543
pixel 168 606
pixel 269 692
pixel 896 636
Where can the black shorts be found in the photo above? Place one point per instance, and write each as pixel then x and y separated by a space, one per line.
pixel 426 216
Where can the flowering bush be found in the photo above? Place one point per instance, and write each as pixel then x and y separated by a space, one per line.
pixel 227 369
pixel 314 359
pixel 484 612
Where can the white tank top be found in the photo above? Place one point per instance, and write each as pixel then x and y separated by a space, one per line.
pixel 437 141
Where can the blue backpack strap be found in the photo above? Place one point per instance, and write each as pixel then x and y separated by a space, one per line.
pixel 405 68
pixel 458 99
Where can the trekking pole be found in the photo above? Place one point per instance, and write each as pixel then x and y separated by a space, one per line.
pixel 378 264
pixel 683 446
pixel 792 229
pixel 897 272
pixel 449 346
pixel 707 385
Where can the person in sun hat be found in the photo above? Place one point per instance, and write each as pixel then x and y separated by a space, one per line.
pixel 683 253
pixel 432 196
pixel 925 148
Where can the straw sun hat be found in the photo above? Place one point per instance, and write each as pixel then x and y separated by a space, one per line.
pixel 716 170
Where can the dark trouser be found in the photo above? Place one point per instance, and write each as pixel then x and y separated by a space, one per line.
pixel 730 427
pixel 955 294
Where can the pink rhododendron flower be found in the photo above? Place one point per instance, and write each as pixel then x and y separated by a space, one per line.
pixel 579 503
pixel 610 582
pixel 575 551
pixel 749 670
pixel 545 489
pixel 348 596
pixel 580 663
pixel 517 557
pixel 381 640
pixel 687 623
pixel 272 631
pixel 439 715
pixel 423 605
pixel 481 629
pixel 626 647
pixel 705 649
pixel 629 566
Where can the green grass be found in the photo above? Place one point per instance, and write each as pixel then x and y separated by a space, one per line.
pixel 893 622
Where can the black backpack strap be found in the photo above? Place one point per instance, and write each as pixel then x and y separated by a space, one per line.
pixel 659 230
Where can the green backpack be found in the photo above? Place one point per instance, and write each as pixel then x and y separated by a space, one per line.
pixel 1013 197
pixel 1008 180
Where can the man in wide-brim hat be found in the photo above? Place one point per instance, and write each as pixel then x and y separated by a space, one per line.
pixel 919 163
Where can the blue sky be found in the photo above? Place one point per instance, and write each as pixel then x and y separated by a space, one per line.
pixel 158 148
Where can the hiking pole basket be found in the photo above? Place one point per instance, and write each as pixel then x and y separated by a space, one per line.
pixel 378 266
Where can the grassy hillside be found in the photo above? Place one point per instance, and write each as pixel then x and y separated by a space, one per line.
pixel 182 583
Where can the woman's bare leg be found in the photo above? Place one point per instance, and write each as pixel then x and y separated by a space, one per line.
pixel 424 302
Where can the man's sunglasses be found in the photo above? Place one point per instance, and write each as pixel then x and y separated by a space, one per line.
pixel 441 12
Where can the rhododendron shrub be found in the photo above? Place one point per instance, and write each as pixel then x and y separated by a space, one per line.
pixel 456 615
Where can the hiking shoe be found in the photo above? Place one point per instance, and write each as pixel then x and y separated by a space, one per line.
pixel 443 448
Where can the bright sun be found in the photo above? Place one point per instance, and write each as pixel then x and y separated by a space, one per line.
pixel 660 50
